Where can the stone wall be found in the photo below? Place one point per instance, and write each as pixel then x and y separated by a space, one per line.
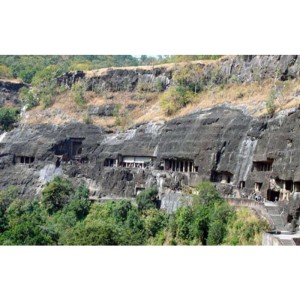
pixel 270 240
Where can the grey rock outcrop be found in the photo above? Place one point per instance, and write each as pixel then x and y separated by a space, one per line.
pixel 102 110
pixel 115 80
pixel 241 69
pixel 225 145
pixel 9 92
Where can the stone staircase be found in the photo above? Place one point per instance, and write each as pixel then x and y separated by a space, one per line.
pixel 275 215
pixel 284 236
pixel 287 242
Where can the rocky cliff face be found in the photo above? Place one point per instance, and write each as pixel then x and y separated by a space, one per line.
pixel 115 80
pixel 222 144
pixel 242 69
pixel 9 92
pixel 239 152
pixel 247 68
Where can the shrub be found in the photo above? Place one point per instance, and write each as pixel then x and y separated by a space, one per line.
pixel 87 119
pixel 80 203
pixel 121 209
pixel 4 71
pixel 29 97
pixel 56 194
pixel 8 116
pixel 146 199
pixel 207 194
pixel 175 98
pixel 47 75
pixel 77 93
pixel 191 77
pixel 245 229
pixel 7 196
pixel 144 86
pixel 155 220
pixel 216 233
pixel 159 85
pixel 270 103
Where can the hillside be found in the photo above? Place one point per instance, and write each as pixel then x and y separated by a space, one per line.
pixel 121 131
pixel 152 93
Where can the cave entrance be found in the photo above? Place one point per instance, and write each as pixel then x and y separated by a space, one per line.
pixel 262 166
pixel 180 165
pixel 297 186
pixel 141 162
pixel 289 185
pixel 109 162
pixel 272 195
pixel 75 146
pixel 257 186
pixel 24 159
pixel 139 190
pixel 226 177
pixel 69 149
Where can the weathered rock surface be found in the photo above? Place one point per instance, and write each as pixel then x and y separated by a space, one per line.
pixel 9 92
pixel 221 144
pixel 247 68
pixel 102 110
pixel 241 69
pixel 115 80
pixel 219 141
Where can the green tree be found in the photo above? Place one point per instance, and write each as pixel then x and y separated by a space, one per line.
pixel 120 210
pixel 56 194
pixel 146 199
pixel 96 232
pixel 29 97
pixel 221 215
pixel 77 92
pixel 207 193
pixel 184 218
pixel 25 222
pixel 8 117
pixel 80 203
pixel 217 231
pixel 7 196
pixel 175 98
pixel 245 228
pixel 155 220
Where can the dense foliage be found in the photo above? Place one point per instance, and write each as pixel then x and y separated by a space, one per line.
pixel 8 116
pixel 65 216
pixel 30 67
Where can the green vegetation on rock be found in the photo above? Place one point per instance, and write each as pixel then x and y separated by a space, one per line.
pixel 65 216
pixel 8 116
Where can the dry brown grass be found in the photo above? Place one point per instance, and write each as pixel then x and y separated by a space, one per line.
pixel 250 96
pixel 13 80
pixel 168 66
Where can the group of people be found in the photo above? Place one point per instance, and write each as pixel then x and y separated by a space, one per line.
pixel 253 196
